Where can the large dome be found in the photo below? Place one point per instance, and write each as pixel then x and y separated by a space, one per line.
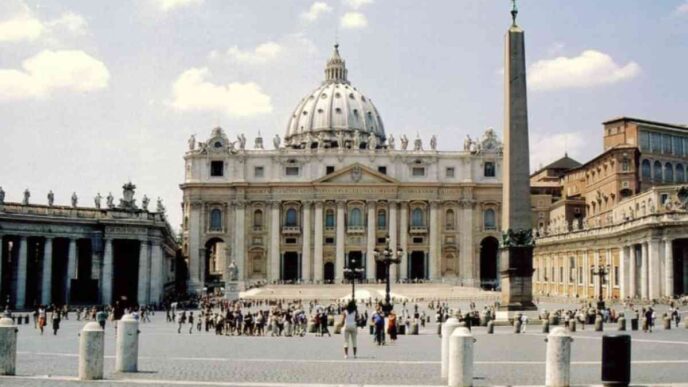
pixel 336 111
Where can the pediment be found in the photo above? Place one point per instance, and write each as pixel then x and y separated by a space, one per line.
pixel 356 174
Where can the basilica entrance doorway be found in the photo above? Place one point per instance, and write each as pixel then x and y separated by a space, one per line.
pixel 417 265
pixel 489 248
pixel 125 271
pixel 680 255
pixel 328 272
pixel 290 266
pixel 215 253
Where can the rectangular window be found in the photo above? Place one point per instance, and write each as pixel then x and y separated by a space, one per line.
pixel 329 241
pixel 450 172
pixel 418 240
pixel 616 276
pixel 561 274
pixel 258 172
pixel 489 170
pixel 656 142
pixel 217 168
pixel 666 142
pixel 380 241
pixel 677 145
pixel 290 241
pixel 580 276
pixel 685 146
pixel 292 171
pixel 329 169
pixel 382 169
pixel 644 141
pixel 418 171
pixel 625 166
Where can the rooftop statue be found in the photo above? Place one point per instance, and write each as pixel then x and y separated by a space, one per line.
pixel 110 200
pixel 75 199
pixel 27 195
pixel 356 141
pixel 417 144
pixel 144 203
pixel 233 271
pixel 404 142
pixel 242 141
pixel 51 198
pixel 2 195
pixel 276 141
pixel 433 142
pixel 390 142
pixel 192 142
pixel 259 142
pixel 372 142
pixel 97 200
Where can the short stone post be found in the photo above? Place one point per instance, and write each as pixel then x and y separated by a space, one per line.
pixel 127 346
pixel 667 322
pixel 91 352
pixel 490 327
pixel 461 358
pixel 621 323
pixel 414 328
pixel 599 323
pixel 685 323
pixel 447 329
pixel 572 325
pixel 8 346
pixel 558 367
pixel 545 326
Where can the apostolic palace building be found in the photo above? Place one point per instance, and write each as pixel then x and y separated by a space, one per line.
pixel 328 193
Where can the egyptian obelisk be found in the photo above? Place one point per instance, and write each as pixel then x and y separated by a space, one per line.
pixel 516 250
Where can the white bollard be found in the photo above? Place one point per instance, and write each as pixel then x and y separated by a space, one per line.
pixel 8 346
pixel 91 352
pixel 127 346
pixel 447 330
pixel 558 367
pixel 461 358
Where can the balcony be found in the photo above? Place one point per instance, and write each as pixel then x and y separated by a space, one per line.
pixel 418 229
pixel 355 229
pixel 291 230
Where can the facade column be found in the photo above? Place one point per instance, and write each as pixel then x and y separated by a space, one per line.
pixel 668 268
pixel 107 273
pixel 339 247
pixel 643 271
pixel 47 276
pixel 370 241
pixel 610 277
pixel 318 244
pixel 467 272
pixel 275 238
pixel 157 273
pixel 239 238
pixel 306 248
pixel 623 272
pixel 654 273
pixel 144 272
pixel 21 274
pixel 685 270
pixel 434 239
pixel 2 259
pixel 586 274
pixel 71 270
pixel 195 228
pixel 403 240
pixel 632 266
pixel 392 221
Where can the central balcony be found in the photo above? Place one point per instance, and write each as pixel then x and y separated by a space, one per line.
pixel 418 229
pixel 355 229
pixel 291 230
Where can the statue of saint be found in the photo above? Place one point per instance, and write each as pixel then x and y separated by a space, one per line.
pixel 390 142
pixel 110 201
pixel 417 144
pixel 340 140
pixel 259 142
pixel 97 200
pixel 433 142
pixel 467 143
pixel 276 141
pixel 51 198
pixel 192 142
pixel 161 208
pixel 27 195
pixel 372 142
pixel 233 271
pixel 2 195
pixel 242 141
pixel 144 203
pixel 404 142
pixel 75 199
pixel 356 141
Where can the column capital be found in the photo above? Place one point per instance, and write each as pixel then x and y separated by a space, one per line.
pixel 434 203
pixel 307 202
pixel 341 203
pixel 239 204
pixel 319 203
pixel 371 202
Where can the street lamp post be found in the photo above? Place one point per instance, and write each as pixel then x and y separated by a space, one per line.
pixel 387 257
pixel 353 272
pixel 601 272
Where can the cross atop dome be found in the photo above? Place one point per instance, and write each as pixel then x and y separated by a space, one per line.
pixel 335 71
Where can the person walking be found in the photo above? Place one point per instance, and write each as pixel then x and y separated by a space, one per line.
pixel 349 320
pixel 379 322
pixel 524 322
pixel 392 326
pixel 101 317
pixel 191 322
pixel 41 318
pixel 56 321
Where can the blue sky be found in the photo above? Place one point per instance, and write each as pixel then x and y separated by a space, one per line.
pixel 94 93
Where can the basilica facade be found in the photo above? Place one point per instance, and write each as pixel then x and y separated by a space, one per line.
pixel 335 190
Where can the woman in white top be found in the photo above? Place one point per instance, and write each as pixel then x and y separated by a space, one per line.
pixel 349 321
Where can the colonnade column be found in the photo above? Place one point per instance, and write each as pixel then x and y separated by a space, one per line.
pixel 393 270
pixel 144 272
pixel 370 241
pixel 403 240
pixel 275 239
pixel 668 268
pixel 685 270
pixel 643 271
pixel 653 269
pixel 339 247
pixel 632 284
pixel 157 281
pixel 434 235
pixel 21 274
pixel 306 248
pixel 239 238
pixel 71 269
pixel 47 275
pixel 318 243
pixel 106 287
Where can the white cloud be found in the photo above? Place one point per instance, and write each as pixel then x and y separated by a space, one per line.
pixel 23 27
pixel 547 148
pixel 50 71
pixel 171 5
pixel 318 8
pixel 263 53
pixel 682 9
pixel 591 68
pixel 192 92
pixel 356 4
pixel 354 20
pixel 70 21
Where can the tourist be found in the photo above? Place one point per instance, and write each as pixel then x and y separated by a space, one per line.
pixel 191 322
pixel 524 322
pixel 56 321
pixel 41 318
pixel 392 326
pixel 379 323
pixel 181 319
pixel 101 317
pixel 350 322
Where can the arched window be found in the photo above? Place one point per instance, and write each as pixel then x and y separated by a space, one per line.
pixel 417 218
pixel 355 218
pixel 489 219
pixel 381 219
pixel 657 169
pixel 680 175
pixel 215 220
pixel 291 220
pixel 646 170
pixel 258 219
pixel 449 220
pixel 668 173
pixel 329 219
